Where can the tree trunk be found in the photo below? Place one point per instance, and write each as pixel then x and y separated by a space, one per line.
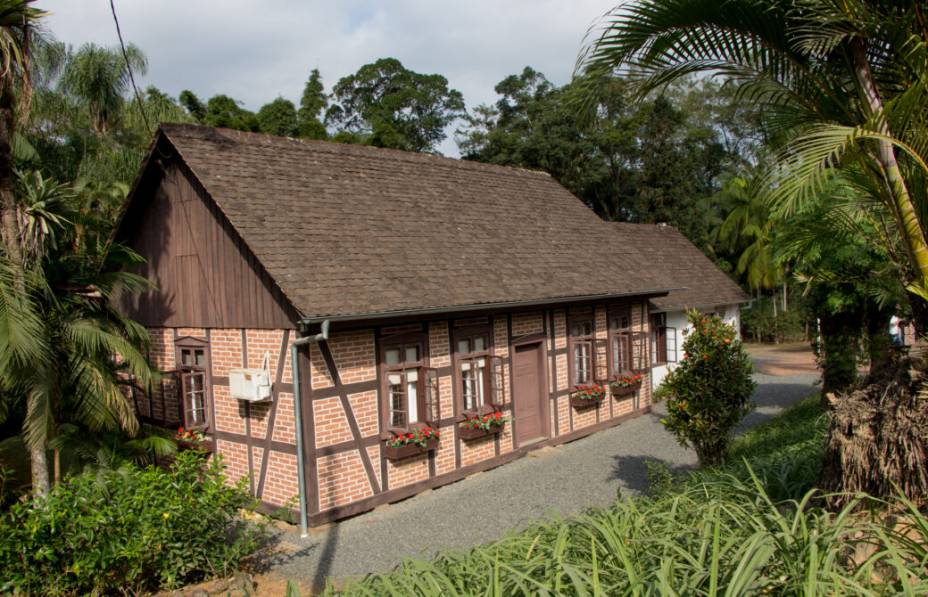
pixel 838 359
pixel 776 332
pixel 9 230
pixel 903 209
pixel 8 217
pixel 879 343
pixel 919 308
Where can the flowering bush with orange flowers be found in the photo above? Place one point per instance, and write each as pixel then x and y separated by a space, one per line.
pixel 420 437
pixel 593 392
pixel 709 391
pixel 486 422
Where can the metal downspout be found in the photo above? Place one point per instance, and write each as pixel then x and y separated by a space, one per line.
pixel 297 411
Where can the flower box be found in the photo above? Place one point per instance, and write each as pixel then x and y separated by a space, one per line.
pixel 625 385
pixel 409 450
pixel 406 444
pixel 476 425
pixel 622 391
pixel 580 401
pixel 208 446
pixel 194 439
pixel 586 396
pixel 471 433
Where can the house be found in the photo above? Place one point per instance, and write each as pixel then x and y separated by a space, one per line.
pixel 317 302
pixel 698 284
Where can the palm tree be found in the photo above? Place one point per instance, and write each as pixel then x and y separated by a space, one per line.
pixel 748 229
pixel 17 23
pixel 99 79
pixel 841 84
pixel 66 355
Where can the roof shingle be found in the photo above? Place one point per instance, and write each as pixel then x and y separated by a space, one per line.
pixel 353 230
pixel 699 282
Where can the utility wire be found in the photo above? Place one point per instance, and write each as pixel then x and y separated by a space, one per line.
pixel 125 56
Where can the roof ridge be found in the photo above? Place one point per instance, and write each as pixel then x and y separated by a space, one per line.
pixel 335 147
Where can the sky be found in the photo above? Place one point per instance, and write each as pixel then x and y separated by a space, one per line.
pixel 255 51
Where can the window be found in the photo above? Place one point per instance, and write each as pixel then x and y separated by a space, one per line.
pixel 620 341
pixel 581 351
pixel 663 340
pixel 403 361
pixel 472 351
pixel 193 367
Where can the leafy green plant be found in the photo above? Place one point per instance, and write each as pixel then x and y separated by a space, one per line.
pixel 710 389
pixel 712 532
pixel 127 531
pixel 720 536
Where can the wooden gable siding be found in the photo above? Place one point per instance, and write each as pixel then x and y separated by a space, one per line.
pixel 205 275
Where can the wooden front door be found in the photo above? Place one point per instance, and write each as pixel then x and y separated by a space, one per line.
pixel 528 393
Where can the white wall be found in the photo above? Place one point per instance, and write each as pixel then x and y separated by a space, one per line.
pixel 730 314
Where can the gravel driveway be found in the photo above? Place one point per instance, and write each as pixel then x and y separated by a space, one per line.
pixel 551 481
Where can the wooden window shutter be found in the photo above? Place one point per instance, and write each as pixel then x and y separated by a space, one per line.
pixel 640 350
pixel 432 397
pixel 600 360
pixel 497 382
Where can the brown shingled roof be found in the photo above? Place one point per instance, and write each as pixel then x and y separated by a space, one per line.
pixel 699 281
pixel 347 230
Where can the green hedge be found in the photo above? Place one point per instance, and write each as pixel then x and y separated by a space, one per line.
pixel 127 531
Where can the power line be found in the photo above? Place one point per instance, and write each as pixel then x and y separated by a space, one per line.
pixel 125 56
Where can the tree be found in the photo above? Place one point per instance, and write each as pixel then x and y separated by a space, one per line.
pixel 391 106
pixel 648 162
pixel 58 329
pixel 99 79
pixel 840 84
pixel 278 118
pixel 748 232
pixel 709 391
pixel 849 281
pixel 193 105
pixel 17 21
pixel 312 105
pixel 225 112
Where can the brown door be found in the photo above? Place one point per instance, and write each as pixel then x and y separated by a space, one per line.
pixel 528 394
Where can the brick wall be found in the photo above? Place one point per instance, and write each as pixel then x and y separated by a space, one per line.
pixel 237 424
pixel 342 477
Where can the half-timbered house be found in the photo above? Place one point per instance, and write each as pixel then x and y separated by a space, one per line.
pixel 317 302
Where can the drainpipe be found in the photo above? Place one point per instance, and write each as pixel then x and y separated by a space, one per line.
pixel 300 465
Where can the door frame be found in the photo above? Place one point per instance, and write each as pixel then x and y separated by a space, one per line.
pixel 541 340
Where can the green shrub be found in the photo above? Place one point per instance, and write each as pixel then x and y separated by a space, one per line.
pixel 127 531
pixel 709 391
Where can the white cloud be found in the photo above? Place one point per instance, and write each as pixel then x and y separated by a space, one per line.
pixel 255 51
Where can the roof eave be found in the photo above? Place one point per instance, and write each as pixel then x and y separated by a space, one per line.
pixel 380 315
pixel 685 306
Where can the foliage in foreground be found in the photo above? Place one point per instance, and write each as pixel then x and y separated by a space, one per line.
pixel 732 531
pixel 723 536
pixel 127 531
pixel 710 390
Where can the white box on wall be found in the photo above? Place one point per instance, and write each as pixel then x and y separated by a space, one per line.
pixel 253 385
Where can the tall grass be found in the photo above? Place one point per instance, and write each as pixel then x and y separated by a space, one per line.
pixel 718 532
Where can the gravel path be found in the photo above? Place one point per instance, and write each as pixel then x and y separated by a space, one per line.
pixel 551 481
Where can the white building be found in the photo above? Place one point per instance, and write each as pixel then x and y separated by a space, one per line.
pixel 701 285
